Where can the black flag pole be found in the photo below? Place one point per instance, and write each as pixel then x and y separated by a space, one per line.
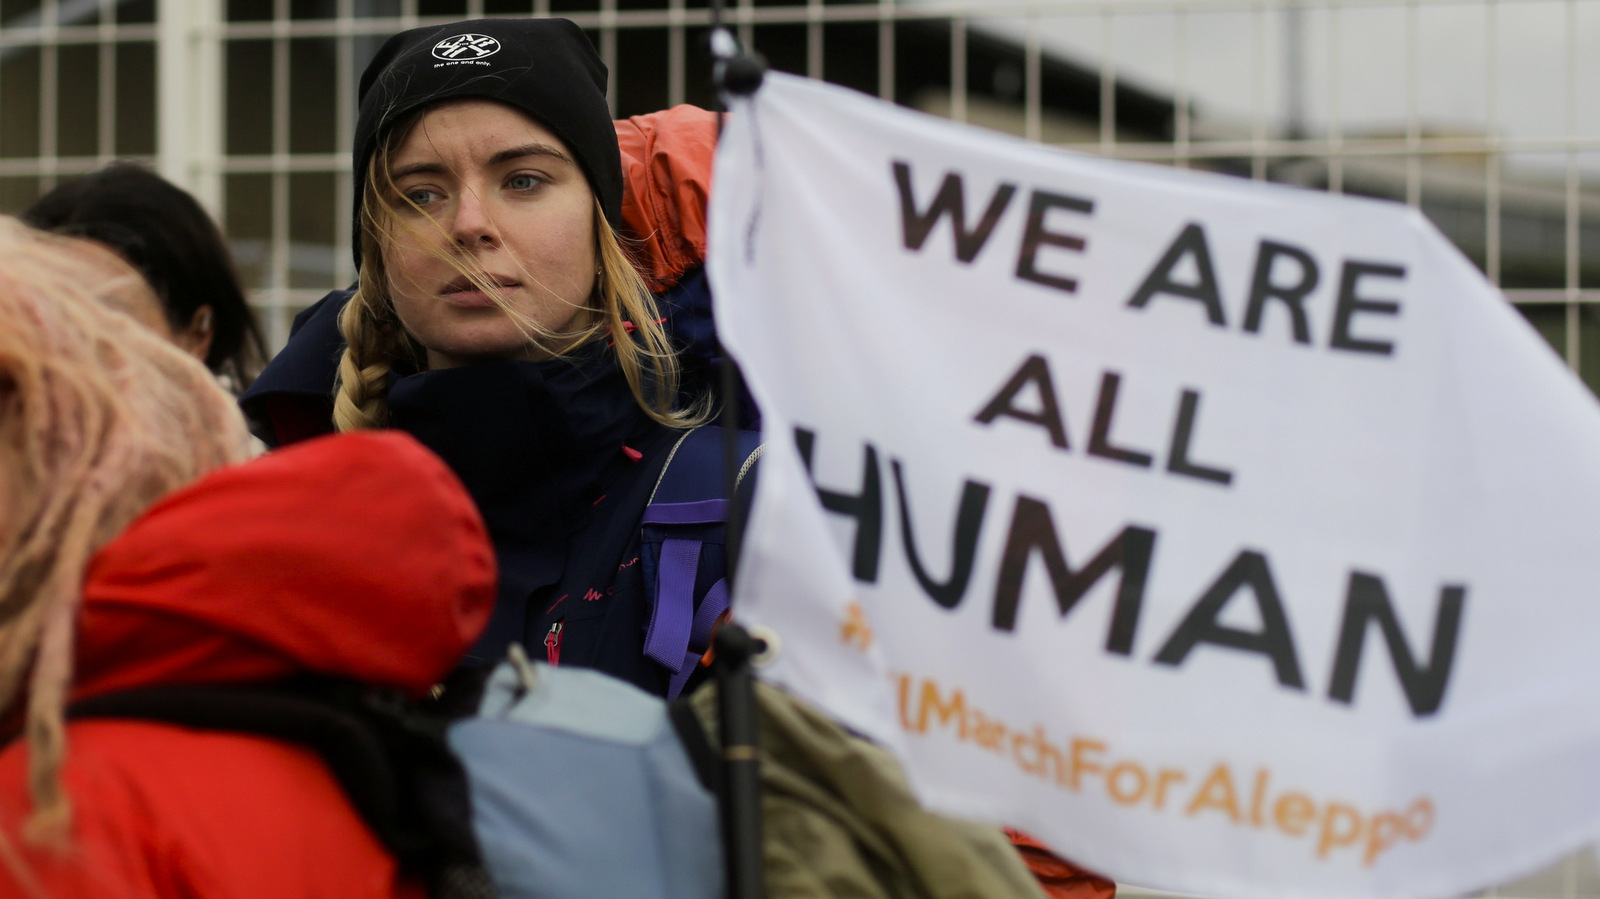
pixel 733 72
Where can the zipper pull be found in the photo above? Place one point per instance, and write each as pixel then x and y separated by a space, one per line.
pixel 526 679
pixel 552 645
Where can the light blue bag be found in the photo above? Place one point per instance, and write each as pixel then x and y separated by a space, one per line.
pixel 581 788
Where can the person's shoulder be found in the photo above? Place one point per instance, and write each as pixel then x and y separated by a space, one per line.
pixel 161 810
pixel 123 767
pixel 704 461
pixel 116 845
pixel 291 399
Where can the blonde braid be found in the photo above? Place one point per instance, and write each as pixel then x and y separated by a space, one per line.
pixel 374 337
pixel 371 338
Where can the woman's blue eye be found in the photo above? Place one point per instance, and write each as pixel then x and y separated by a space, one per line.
pixel 421 196
pixel 522 182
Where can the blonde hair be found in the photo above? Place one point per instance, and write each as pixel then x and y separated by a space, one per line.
pixel 99 416
pixel 621 309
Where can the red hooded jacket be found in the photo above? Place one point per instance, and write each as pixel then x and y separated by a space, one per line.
pixel 358 556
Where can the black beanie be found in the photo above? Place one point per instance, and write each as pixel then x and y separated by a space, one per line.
pixel 545 67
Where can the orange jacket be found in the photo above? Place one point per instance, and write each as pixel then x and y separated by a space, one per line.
pixel 1060 878
pixel 666 171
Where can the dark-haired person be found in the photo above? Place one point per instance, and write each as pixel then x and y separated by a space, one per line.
pixel 164 233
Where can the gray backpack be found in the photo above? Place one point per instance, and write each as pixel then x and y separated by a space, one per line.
pixel 580 787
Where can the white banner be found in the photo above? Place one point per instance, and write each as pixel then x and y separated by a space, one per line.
pixel 1231 538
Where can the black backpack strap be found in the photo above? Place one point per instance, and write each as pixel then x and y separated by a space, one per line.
pixel 390 758
pixel 350 748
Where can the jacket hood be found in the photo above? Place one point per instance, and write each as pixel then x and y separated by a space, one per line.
pixel 357 556
pixel 666 168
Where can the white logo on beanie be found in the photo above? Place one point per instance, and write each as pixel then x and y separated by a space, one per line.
pixel 466 46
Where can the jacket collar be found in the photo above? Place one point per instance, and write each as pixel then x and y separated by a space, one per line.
pixel 535 444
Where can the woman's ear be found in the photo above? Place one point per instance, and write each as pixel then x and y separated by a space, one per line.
pixel 195 339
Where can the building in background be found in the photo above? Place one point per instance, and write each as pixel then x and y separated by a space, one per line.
pixel 250 105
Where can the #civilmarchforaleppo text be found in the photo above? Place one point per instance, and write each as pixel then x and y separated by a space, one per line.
pixel 1247 797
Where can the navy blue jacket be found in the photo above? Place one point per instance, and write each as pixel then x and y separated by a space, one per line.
pixel 543 447
pixel 559 458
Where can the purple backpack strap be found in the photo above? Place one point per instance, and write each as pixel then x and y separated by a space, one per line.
pixel 679 633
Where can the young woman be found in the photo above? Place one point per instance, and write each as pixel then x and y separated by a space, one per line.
pixel 165 234
pixel 499 319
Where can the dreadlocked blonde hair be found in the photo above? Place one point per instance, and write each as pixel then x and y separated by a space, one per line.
pixel 620 308
pixel 98 417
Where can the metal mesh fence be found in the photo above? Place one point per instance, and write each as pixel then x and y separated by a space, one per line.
pixel 1474 111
